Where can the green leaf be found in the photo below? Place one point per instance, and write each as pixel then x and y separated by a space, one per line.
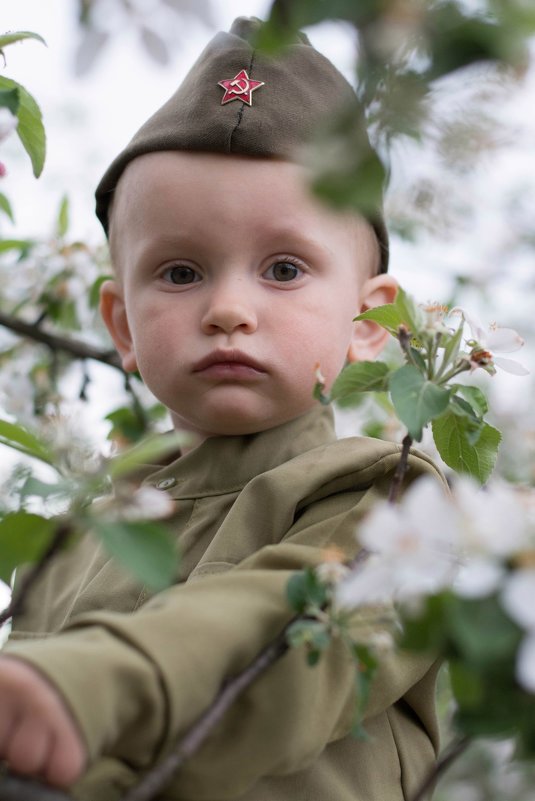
pixel 30 128
pixel 147 451
pixel 452 438
pixel 5 206
pixel 356 185
pixel 387 316
pixel 319 395
pixel 474 396
pixel 404 311
pixel 475 424
pixel 416 400
pixel 127 423
pixel 144 548
pixel 312 633
pixel 9 98
pixel 62 223
pixel 24 441
pixel 482 633
pixel 305 590
pixel 23 538
pixel 18 36
pixel 366 667
pixel 22 245
pixel 466 684
pixel 34 487
pixel 409 311
pixel 451 346
pixel 357 378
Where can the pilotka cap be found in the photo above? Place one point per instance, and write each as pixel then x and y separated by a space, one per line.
pixel 240 101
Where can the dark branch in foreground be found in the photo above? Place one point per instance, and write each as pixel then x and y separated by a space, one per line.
pixel 17 788
pixel 57 542
pixel 401 469
pixel 161 774
pixel 452 752
pixel 56 343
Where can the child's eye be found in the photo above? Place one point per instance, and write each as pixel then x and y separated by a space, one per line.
pixel 283 271
pixel 181 274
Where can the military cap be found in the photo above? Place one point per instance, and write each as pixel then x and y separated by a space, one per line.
pixel 238 100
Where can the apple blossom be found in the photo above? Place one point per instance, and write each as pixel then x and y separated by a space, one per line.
pixel 132 504
pixel 410 556
pixel 485 343
pixel 518 600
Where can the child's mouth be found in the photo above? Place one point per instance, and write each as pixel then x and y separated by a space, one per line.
pixel 231 364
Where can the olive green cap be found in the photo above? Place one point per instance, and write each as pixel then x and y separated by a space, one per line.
pixel 240 101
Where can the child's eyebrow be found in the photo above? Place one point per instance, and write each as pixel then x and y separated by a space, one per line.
pixel 271 238
pixel 291 237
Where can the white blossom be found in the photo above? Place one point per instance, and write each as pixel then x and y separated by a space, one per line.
pixel 434 316
pixel 518 597
pixel 478 576
pixel 75 454
pixel 493 521
pixel 525 663
pixel 518 600
pixel 141 503
pixel 414 549
pixel 485 343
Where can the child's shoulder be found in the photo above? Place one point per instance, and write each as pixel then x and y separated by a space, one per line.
pixel 345 464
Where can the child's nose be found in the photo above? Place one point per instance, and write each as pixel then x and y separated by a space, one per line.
pixel 229 309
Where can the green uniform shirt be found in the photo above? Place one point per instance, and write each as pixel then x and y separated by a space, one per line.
pixel 137 671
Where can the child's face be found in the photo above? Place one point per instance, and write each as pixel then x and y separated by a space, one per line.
pixel 232 285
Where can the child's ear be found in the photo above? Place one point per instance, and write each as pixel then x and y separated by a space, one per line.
pixel 113 311
pixel 369 338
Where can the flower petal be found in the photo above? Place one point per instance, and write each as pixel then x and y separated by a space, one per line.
pixel 504 340
pixel 525 663
pixel 477 578
pixel 510 366
pixel 477 330
pixel 518 598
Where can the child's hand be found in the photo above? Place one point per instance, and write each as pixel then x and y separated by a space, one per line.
pixel 38 737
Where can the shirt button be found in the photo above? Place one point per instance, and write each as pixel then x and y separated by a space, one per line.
pixel 165 483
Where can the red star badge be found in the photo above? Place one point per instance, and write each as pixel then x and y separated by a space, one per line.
pixel 241 87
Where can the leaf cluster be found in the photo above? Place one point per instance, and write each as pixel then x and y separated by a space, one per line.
pixel 404 49
pixel 423 390
pixel 20 102
pixel 480 643
pixel 95 502
pixel 317 624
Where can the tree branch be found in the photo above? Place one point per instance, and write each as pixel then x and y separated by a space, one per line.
pixel 18 788
pixel 401 469
pixel 56 343
pixel 153 783
pixel 451 753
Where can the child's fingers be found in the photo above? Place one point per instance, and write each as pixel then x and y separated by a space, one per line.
pixel 29 746
pixel 66 760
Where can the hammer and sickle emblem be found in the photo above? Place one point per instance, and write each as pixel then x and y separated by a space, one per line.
pixel 242 85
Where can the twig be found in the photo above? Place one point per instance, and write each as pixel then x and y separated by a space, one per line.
pixel 80 350
pixel 401 469
pixel 18 788
pixel 153 783
pixel 452 752
pixel 57 542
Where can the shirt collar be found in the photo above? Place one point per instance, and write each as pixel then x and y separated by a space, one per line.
pixel 225 464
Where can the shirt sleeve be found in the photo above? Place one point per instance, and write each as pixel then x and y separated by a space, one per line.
pixel 136 682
